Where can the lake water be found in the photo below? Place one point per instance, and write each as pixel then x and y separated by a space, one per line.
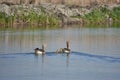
pixel 95 53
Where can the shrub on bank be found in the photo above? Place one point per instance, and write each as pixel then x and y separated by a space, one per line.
pixel 32 18
pixel 103 14
pixel 31 14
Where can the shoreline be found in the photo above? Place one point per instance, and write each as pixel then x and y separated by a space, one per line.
pixel 58 14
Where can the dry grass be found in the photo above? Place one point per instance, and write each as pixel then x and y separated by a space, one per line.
pixel 77 2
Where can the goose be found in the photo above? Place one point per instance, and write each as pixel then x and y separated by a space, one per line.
pixel 64 50
pixel 40 51
pixel 59 50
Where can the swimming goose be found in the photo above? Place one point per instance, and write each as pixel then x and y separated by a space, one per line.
pixel 59 50
pixel 67 50
pixel 40 51
pixel 64 50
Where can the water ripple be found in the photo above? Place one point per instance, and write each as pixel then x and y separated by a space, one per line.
pixel 85 55
pixel 100 57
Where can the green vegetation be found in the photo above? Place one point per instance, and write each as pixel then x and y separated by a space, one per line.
pixel 99 15
pixel 31 18
pixel 102 14
pixel 115 13
pixel 6 20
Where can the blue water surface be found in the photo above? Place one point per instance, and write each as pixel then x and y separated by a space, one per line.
pixel 95 54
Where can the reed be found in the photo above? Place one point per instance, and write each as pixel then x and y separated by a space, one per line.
pixel 115 13
pixel 2 18
pixel 100 15
pixel 31 18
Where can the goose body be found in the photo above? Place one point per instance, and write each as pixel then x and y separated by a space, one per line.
pixel 65 50
pixel 40 51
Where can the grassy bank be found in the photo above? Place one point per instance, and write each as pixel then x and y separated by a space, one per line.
pixel 102 15
pixel 98 15
pixel 32 19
